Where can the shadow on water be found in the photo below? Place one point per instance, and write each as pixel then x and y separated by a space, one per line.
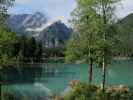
pixel 29 79
pixel 19 75
pixel 30 74
pixel 20 81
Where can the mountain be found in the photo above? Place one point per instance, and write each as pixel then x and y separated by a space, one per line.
pixel 125 27
pixel 126 21
pixel 51 33
pixel 55 34
pixel 19 23
pixel 125 35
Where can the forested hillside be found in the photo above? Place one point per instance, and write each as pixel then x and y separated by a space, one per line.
pixel 125 36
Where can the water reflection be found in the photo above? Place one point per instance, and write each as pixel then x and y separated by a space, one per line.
pixel 42 87
pixel 37 80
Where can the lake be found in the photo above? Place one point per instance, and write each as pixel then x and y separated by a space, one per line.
pixel 46 79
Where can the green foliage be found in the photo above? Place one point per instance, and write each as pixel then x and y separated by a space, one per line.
pixel 3 17
pixel 27 49
pixel 5 59
pixel 54 52
pixel 4 4
pixel 11 96
pixel 72 51
pixel 93 39
pixel 125 37
pixel 7 38
pixel 83 91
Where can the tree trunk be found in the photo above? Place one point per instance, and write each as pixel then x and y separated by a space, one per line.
pixel 103 75
pixel 90 71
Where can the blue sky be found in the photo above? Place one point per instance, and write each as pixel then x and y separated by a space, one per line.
pixel 52 8
pixel 60 8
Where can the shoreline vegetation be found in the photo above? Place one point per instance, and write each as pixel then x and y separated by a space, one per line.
pixel 123 58
pixel 83 91
pixel 59 60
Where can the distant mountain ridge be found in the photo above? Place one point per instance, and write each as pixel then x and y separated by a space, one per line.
pixel 125 34
pixel 51 33
pixel 128 20
pixel 23 21
pixel 125 25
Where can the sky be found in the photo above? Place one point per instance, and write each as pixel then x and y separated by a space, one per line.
pixel 60 9
pixel 54 9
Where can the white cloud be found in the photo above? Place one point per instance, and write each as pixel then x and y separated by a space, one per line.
pixel 125 8
pixel 44 26
pixel 23 1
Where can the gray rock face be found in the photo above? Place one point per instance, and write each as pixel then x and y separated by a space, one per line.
pixel 50 33
pixel 20 23
pixel 54 35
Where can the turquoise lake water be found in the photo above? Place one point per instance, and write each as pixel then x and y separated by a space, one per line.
pixel 55 78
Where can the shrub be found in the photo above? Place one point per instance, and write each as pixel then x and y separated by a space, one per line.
pixel 84 91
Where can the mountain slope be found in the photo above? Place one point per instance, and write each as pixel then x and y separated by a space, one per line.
pixel 51 33
pixel 19 23
pixel 127 21
pixel 125 35
pixel 55 34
